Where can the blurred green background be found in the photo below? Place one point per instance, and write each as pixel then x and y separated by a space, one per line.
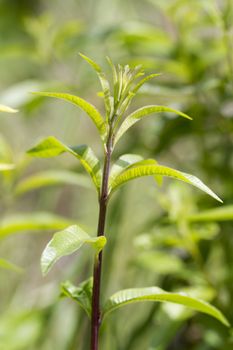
pixel 170 236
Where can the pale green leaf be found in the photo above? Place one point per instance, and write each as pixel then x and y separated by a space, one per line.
pixel 148 170
pixel 38 221
pixel 7 109
pixel 128 161
pixel 6 166
pixel 108 99
pixel 5 264
pixel 51 147
pixel 224 213
pixel 91 111
pixel 82 294
pixel 141 113
pixel 134 295
pixel 122 163
pixel 143 81
pixel 50 178
pixel 65 243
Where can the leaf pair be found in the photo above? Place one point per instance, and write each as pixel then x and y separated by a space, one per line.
pixel 128 167
pixel 82 294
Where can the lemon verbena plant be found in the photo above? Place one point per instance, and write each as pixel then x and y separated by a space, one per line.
pixel 108 178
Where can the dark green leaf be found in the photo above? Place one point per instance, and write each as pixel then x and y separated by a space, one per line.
pixel 82 294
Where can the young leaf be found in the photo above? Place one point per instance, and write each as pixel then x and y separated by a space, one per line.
pixel 82 294
pixel 108 100
pixel 217 214
pixel 141 113
pixel 7 109
pixel 50 178
pixel 65 243
pixel 134 295
pixel 91 111
pixel 143 81
pixel 148 170
pixel 51 147
pixel 39 221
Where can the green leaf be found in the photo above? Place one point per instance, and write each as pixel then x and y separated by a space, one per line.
pixel 141 113
pixel 108 99
pixel 6 166
pixel 82 294
pixel 7 109
pixel 51 147
pixel 143 81
pixel 91 111
pixel 134 295
pixel 5 264
pixel 217 214
pixel 39 221
pixel 50 178
pixel 148 170
pixel 65 243
pixel 123 163
pixel 128 161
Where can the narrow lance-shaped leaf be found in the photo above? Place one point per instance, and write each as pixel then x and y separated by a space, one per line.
pixel 108 99
pixel 51 147
pixel 143 81
pixel 141 113
pixel 87 107
pixel 7 109
pixel 50 178
pixel 122 163
pixel 65 243
pixel 148 170
pixel 135 295
pixel 128 161
pixel 82 294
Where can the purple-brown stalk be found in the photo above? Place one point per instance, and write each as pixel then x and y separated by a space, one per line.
pixel 96 314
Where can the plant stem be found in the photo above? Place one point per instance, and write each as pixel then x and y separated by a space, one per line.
pixel 96 314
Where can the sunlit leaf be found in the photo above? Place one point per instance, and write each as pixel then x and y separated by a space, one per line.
pixel 51 147
pixel 141 113
pixel 91 111
pixel 108 100
pixel 65 243
pixel 38 221
pixel 148 170
pixel 7 109
pixel 5 264
pixel 82 294
pixel 128 161
pixel 123 163
pixel 135 295
pixel 224 213
pixel 50 178
pixel 143 81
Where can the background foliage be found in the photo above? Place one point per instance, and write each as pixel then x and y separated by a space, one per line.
pixel 169 236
